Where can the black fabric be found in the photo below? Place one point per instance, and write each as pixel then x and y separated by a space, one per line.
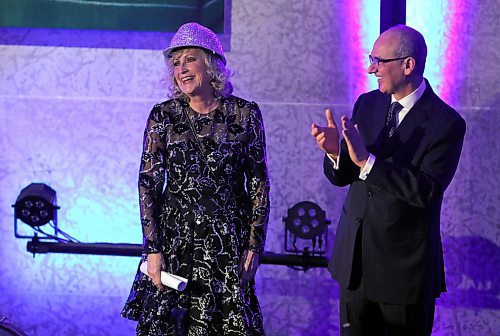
pixel 363 317
pixel 213 206
pixel 398 206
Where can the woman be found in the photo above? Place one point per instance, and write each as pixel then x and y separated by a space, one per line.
pixel 209 222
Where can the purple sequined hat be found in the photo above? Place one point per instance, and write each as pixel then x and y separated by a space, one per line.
pixel 193 34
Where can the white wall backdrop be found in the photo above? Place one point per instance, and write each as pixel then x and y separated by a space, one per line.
pixel 73 118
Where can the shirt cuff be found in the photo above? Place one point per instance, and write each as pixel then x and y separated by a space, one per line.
pixel 367 168
pixel 335 162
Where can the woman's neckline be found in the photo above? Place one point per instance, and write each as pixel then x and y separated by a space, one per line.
pixel 212 107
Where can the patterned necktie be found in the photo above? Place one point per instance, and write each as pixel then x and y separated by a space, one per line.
pixel 390 124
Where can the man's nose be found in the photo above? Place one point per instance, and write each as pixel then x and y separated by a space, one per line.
pixel 372 68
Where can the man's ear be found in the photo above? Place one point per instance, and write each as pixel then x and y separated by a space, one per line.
pixel 409 65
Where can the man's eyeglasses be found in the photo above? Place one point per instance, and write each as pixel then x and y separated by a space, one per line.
pixel 376 60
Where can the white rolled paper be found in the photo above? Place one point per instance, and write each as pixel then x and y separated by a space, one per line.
pixel 170 280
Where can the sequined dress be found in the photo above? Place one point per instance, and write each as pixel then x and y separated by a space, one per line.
pixel 213 205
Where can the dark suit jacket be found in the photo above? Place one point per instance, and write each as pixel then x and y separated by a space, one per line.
pixel 389 228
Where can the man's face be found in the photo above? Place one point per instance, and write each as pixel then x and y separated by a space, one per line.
pixel 390 75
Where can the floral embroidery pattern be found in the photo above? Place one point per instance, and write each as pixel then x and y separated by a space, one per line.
pixel 207 214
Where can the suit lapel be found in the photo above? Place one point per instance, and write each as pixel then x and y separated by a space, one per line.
pixel 413 121
pixel 375 128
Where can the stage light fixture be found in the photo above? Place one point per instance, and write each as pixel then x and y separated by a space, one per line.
pixel 306 229
pixel 36 206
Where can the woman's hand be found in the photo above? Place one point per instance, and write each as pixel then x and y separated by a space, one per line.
pixel 155 266
pixel 248 266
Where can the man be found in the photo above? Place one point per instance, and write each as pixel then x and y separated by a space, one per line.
pixel 387 255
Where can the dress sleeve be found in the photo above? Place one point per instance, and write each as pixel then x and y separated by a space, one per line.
pixel 257 180
pixel 151 179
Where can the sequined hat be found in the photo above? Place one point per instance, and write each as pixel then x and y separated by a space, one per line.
pixel 193 34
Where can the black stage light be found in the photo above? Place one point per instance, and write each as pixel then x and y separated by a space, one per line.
pixel 306 229
pixel 36 206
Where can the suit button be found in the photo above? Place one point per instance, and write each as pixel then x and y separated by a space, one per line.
pixel 358 220
pixel 370 194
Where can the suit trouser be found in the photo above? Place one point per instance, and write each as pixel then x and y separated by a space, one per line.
pixel 362 317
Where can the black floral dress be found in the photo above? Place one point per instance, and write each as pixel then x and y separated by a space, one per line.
pixel 213 206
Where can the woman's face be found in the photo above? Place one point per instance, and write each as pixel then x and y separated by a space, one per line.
pixel 190 72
